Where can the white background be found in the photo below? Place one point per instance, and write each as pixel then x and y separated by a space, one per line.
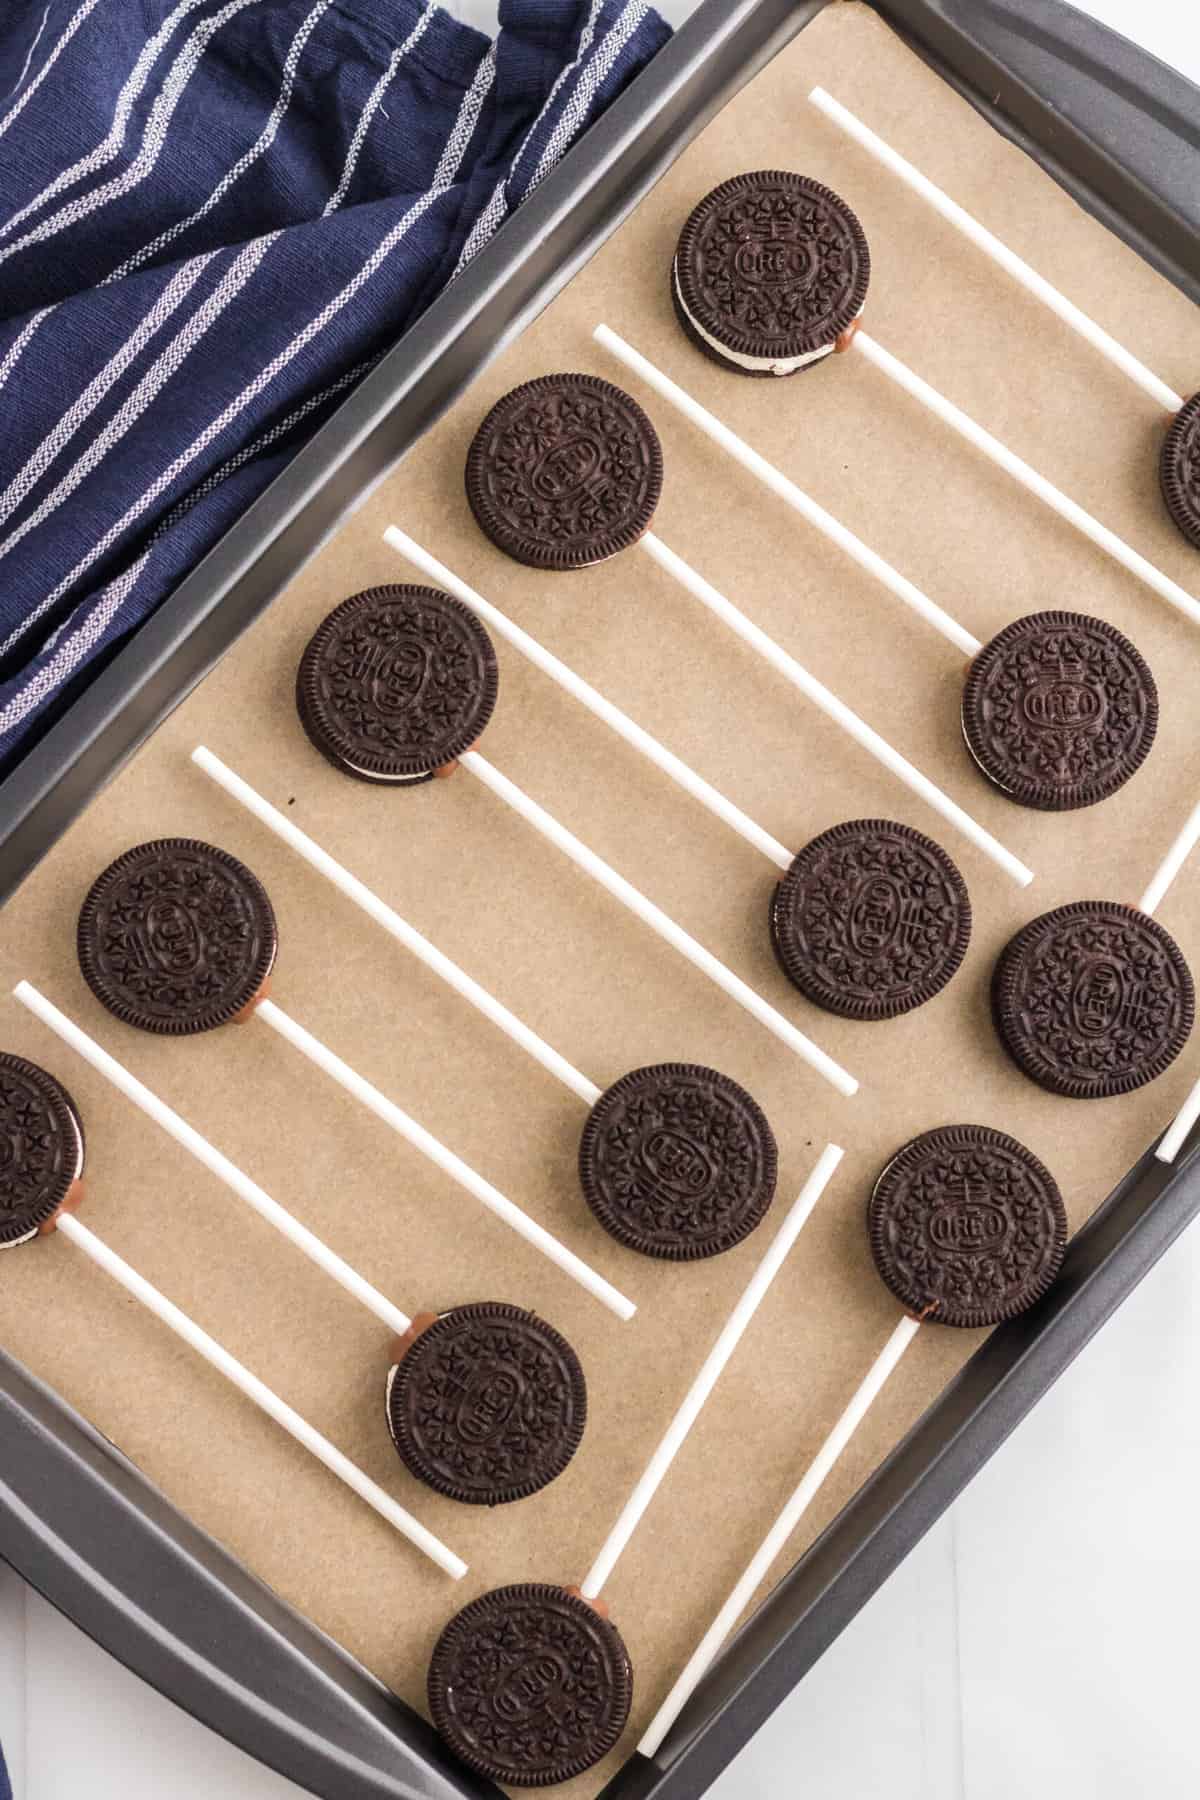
pixel 1039 1641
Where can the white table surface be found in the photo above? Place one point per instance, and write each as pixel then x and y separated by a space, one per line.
pixel 1040 1639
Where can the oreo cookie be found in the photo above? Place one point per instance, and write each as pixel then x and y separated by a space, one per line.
pixel 1093 999
pixel 41 1149
pixel 396 683
pixel 871 920
pixel 487 1405
pixel 770 269
pixel 1179 470
pixel 177 937
pixel 529 1685
pixel 967 1227
pixel 677 1161
pixel 1059 710
pixel 565 471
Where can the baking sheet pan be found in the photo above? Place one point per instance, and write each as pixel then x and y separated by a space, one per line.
pixel 599 790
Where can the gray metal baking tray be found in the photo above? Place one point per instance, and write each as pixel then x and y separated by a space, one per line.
pixel 1122 133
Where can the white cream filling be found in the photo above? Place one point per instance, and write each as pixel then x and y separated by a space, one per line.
pixel 391 1382
pixel 30 1235
pixel 388 780
pixel 1002 786
pixel 778 365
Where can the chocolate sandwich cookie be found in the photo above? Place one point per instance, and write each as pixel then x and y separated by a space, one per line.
pixel 677 1161
pixel 1093 999
pixel 1179 470
pixel 967 1227
pixel 564 471
pixel 397 683
pixel 177 937
pixel 41 1150
pixel 871 920
pixel 769 272
pixel 1059 710
pixel 488 1404
pixel 530 1685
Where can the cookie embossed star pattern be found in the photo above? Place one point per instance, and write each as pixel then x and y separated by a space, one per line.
pixel 41 1149
pixel 1059 710
pixel 176 937
pixel 677 1161
pixel 530 1685
pixel 1093 999
pixel 967 1227
pixel 1179 470
pixel 397 682
pixel 871 920
pixel 564 471
pixel 770 266
pixel 488 1405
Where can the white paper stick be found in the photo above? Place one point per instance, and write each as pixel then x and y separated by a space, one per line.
pixel 1172 862
pixel 652 915
pixel 612 716
pixel 445 1159
pixel 1028 477
pixel 399 928
pixel 760 1565
pixel 1173 1140
pixel 999 253
pixel 833 708
pixel 710 1372
pixel 204 1152
pixel 789 493
pixel 261 1394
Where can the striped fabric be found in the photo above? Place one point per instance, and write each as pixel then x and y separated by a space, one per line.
pixel 214 215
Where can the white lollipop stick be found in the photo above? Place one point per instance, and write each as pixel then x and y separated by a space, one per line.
pixel 1172 862
pixel 789 493
pixel 541 658
pixel 261 1394
pixel 1173 1140
pixel 204 1152
pixel 999 253
pixel 652 915
pixel 710 1371
pixel 833 708
pixel 706 1651
pixel 399 928
pixel 1028 477
pixel 436 1151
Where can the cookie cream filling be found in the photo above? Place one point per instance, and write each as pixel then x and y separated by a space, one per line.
pixel 777 365
pixel 30 1235
pixel 995 780
pixel 391 1382
pixel 388 780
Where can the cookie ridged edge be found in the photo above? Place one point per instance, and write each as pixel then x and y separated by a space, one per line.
pixel 120 1009
pixel 965 1136
pixel 589 1180
pixel 379 770
pixel 801 344
pixel 1003 994
pixel 1181 507
pixel 1080 793
pixel 493 1311
pixel 558 559
pixel 65 1111
pixel 533 1592
pixel 852 1007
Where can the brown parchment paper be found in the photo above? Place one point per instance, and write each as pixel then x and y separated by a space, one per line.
pixel 586 974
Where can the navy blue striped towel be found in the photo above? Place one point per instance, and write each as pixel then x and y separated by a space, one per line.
pixel 213 217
